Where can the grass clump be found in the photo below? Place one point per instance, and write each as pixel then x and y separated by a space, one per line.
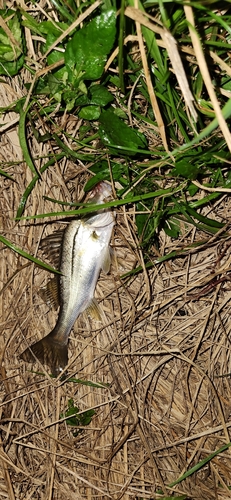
pixel 175 94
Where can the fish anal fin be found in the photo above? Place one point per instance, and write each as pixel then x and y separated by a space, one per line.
pixel 94 310
pixel 49 352
pixel 50 293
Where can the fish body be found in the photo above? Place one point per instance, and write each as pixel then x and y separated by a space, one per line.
pixel 85 251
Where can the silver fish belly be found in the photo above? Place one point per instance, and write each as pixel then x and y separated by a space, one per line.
pixel 85 251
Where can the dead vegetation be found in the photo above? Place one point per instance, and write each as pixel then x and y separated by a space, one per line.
pixel 162 347
pixel 162 351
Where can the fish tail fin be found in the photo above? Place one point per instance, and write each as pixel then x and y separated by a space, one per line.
pixel 49 352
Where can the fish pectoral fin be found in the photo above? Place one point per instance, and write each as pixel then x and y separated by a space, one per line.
pixel 106 261
pixel 49 352
pixel 50 293
pixel 118 262
pixel 93 310
pixel 115 260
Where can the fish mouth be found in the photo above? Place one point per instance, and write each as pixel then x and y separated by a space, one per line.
pixel 102 192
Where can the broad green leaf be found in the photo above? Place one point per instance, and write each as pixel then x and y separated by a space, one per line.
pixel 227 85
pixel 186 169
pixel 172 229
pixel 90 113
pixel 54 56
pixel 100 96
pixel 11 55
pixel 114 132
pixel 87 51
pixel 48 28
pixel 74 418
pixel 11 68
pixel 192 189
pixel 8 50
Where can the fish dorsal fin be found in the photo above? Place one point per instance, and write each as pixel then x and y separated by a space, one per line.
pixel 51 246
pixel 50 293
pixel 93 310
pixel 106 261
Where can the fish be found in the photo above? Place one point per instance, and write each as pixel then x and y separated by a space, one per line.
pixel 85 250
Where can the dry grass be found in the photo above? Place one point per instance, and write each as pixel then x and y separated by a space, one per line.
pixel 161 347
pixel 165 408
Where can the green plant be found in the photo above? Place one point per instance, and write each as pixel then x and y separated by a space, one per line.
pixel 183 101
pixel 74 418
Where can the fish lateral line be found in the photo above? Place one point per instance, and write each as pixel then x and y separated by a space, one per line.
pixel 84 251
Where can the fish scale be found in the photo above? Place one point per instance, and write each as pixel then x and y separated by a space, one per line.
pixel 84 252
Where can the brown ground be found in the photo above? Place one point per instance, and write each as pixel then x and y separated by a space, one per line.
pixel 161 351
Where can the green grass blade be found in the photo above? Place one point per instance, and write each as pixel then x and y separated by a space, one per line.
pixel 70 152
pixel 23 140
pixel 200 464
pixel 94 208
pixel 226 112
pixel 63 10
pixel 64 380
pixel 27 256
pixel 121 46
pixel 32 184
pixel 6 175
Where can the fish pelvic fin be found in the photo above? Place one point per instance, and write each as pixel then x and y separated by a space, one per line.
pixel 49 352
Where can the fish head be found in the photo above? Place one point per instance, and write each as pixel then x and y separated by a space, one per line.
pixel 100 193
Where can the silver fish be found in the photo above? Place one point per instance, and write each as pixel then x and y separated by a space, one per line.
pixel 84 252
